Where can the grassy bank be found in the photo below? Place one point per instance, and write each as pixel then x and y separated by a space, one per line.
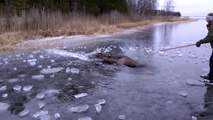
pixel 38 25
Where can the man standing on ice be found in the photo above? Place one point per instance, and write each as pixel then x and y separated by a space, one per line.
pixel 208 39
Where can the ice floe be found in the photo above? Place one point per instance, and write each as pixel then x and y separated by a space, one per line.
pixel 80 95
pixel 38 77
pixel 40 113
pixel 79 109
pixel 98 108
pixel 41 105
pixel 3 88
pixel 51 70
pixel 27 88
pixel 40 96
pixel 121 117
pixel 24 113
pixel 57 116
pixel 85 118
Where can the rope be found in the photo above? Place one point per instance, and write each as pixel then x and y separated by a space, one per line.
pixel 177 47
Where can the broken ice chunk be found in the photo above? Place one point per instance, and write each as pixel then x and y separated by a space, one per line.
pixel 121 117
pixel 85 118
pixel 183 93
pixel 5 95
pixel 17 88
pixel 40 66
pixel 4 106
pixel 79 109
pixel 38 77
pixel 12 80
pixel 27 88
pixel 68 70
pixel 194 118
pixel 52 61
pixel 57 116
pixel 74 70
pixel 40 96
pixel 41 113
pixel 80 95
pixel 45 117
pixel 69 79
pixel 51 70
pixel 98 108
pixel 41 105
pixel 33 63
pixel 41 56
pixel 102 102
pixel 24 113
pixel 3 88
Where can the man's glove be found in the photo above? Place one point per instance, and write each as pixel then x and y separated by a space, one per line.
pixel 198 43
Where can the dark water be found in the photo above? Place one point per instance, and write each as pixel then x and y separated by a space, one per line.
pixel 168 88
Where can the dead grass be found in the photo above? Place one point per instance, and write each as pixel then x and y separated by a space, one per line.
pixel 58 24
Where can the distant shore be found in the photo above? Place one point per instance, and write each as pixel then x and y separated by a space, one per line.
pixel 8 40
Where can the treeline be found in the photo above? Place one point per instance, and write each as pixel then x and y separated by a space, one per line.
pixel 95 7
pixel 75 15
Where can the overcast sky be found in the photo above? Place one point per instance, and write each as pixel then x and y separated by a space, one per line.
pixel 191 7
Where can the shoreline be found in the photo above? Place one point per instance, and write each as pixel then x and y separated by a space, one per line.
pixel 22 41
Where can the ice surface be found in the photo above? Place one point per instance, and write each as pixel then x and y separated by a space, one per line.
pixel 194 82
pixel 98 108
pixel 51 70
pixel 12 80
pixel 79 109
pixel 80 95
pixel 38 77
pixel 24 113
pixel 4 106
pixel 85 118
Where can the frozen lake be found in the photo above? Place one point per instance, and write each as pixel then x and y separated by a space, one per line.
pixel 68 83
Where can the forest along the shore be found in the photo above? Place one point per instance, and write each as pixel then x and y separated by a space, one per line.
pixel 30 19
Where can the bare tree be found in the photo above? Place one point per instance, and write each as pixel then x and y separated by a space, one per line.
pixel 146 7
pixel 169 6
